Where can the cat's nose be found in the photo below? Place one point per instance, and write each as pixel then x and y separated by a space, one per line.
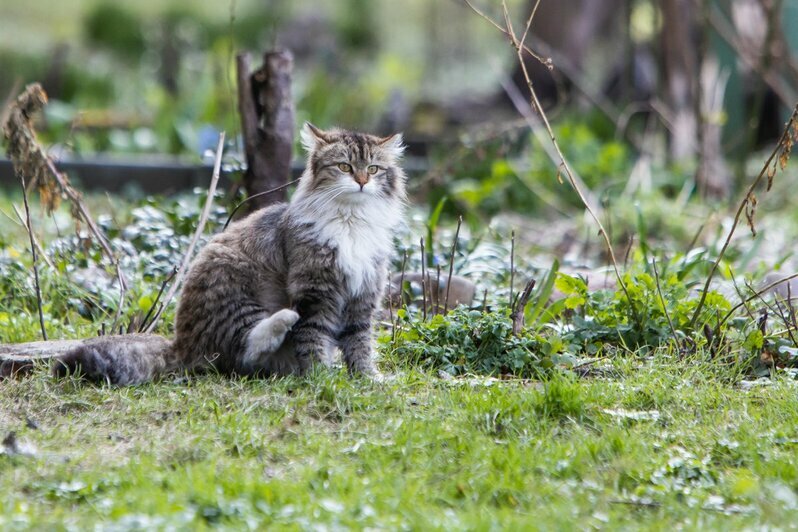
pixel 361 178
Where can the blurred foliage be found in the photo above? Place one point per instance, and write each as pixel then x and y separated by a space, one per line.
pixel 80 292
pixel 514 172
pixel 116 28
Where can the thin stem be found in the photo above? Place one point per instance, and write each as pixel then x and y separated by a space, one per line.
pixel 35 256
pixel 451 264
pixel 535 103
pixel 423 279
pixel 764 289
pixel 662 300
pixel 253 196
pixel 200 227
pixel 157 299
pixel 740 210
pixel 512 266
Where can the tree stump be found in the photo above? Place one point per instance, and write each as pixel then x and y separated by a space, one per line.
pixel 267 124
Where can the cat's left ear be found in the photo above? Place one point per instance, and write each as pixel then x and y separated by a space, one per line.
pixel 312 137
pixel 394 144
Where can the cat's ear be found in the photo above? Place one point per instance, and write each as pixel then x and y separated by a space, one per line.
pixel 312 137
pixel 393 144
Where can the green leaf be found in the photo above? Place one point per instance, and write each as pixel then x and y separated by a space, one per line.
pixel 754 341
pixel 543 294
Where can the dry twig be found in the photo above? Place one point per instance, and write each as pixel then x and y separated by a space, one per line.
pixel 29 159
pixel 519 307
pixel 747 300
pixel 181 272
pixel 157 299
pixel 34 254
pixel 38 244
pixel 451 264
pixel 782 150
pixel 521 48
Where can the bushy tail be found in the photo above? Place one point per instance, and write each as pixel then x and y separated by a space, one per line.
pixel 127 359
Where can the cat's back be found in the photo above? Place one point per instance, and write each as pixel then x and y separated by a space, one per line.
pixel 244 257
pixel 257 238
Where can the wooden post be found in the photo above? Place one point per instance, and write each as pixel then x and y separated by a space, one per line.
pixel 267 124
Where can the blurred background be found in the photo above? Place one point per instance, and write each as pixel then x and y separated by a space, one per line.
pixel 668 95
pixel 665 111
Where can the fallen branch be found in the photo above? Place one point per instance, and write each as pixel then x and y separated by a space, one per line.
pixel 181 272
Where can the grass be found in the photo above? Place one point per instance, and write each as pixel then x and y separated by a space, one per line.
pixel 665 444
pixel 647 442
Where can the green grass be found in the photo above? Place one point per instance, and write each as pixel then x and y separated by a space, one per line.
pixel 651 442
pixel 417 452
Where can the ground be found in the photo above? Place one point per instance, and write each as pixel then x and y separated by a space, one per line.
pixel 645 443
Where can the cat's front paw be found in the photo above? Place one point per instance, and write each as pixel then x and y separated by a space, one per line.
pixel 365 368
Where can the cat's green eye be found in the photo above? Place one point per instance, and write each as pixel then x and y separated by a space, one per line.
pixel 344 167
pixel 373 169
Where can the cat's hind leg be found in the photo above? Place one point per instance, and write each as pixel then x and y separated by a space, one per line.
pixel 267 336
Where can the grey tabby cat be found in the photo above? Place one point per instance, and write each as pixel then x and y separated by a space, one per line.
pixel 286 286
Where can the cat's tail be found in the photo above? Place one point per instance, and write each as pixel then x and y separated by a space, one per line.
pixel 126 359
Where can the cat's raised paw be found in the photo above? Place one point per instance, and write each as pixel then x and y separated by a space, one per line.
pixel 283 320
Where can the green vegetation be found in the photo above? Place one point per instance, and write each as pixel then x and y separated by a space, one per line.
pixel 663 443
pixel 613 425
pixel 611 406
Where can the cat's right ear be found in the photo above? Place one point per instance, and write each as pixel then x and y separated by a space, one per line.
pixel 312 137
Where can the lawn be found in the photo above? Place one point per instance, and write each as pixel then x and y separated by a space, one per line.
pixel 614 426
pixel 653 443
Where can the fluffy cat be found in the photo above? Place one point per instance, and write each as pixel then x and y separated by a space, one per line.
pixel 285 287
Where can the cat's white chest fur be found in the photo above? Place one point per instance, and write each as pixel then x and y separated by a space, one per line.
pixel 362 234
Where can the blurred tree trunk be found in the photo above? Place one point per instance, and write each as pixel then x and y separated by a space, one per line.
pixel 680 60
pixel 267 124
pixel 569 27
pixel 694 92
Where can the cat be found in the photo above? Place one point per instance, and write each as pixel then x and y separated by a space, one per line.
pixel 285 287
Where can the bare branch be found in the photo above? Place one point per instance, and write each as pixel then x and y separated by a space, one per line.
pixel 451 264
pixel 181 272
pixel 786 137
pixel 535 104
pixel 33 253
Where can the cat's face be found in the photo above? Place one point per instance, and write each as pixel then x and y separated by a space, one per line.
pixel 353 166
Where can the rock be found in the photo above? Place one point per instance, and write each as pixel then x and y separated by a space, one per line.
pixel 787 289
pixel 461 291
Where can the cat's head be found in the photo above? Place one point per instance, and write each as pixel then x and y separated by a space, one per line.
pixel 352 166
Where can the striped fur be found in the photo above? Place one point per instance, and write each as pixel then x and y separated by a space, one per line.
pixel 285 287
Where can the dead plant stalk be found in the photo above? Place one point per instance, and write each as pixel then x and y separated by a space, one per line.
pixel 34 255
pixel 749 199
pixel 217 164
pixel 521 48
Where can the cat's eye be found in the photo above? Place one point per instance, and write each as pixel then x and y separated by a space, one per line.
pixel 344 167
pixel 373 169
